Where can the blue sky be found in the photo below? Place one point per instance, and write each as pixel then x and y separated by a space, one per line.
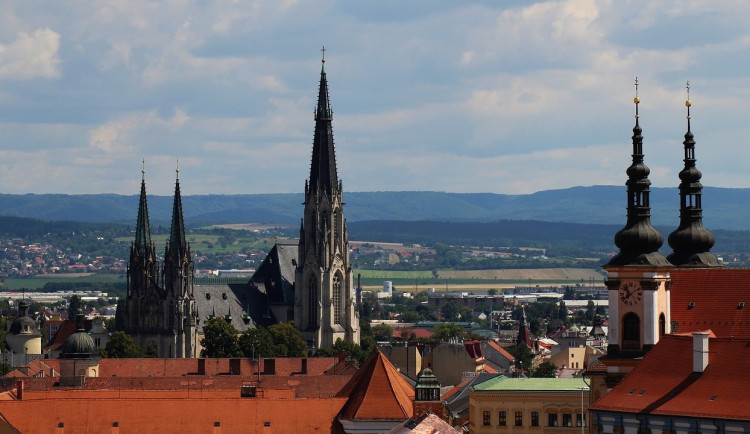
pixel 504 97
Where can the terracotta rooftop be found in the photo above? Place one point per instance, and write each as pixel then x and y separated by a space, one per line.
pixel 711 299
pixel 495 346
pixel 664 383
pixel 377 391
pixel 165 411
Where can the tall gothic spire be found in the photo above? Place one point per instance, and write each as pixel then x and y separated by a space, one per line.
pixel 638 241
pixel 691 241
pixel 142 228
pixel 177 242
pixel 323 166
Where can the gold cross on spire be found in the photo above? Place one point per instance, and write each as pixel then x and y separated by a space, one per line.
pixel 323 50
pixel 687 102
pixel 143 167
pixel 177 169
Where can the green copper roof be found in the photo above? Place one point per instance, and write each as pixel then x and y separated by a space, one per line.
pixel 501 384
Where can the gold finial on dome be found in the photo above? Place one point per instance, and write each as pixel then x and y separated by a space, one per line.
pixel 687 101
pixel 636 100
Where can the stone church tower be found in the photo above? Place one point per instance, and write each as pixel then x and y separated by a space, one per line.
pixel 160 306
pixel 324 292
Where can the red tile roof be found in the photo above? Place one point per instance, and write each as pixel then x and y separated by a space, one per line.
pixel 153 411
pixel 663 383
pixel 495 346
pixel 710 299
pixel 377 391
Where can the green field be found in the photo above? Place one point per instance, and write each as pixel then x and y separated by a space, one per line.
pixel 37 283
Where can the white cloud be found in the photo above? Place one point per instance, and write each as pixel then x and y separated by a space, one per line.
pixel 31 55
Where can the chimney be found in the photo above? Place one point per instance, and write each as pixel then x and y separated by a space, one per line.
pixel 19 389
pixel 700 351
pixel 342 355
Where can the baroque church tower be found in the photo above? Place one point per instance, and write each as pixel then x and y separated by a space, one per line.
pixel 691 241
pixel 160 308
pixel 324 292
pixel 638 276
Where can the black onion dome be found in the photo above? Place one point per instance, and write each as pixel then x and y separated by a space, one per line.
pixel 691 242
pixel 638 241
pixel 79 345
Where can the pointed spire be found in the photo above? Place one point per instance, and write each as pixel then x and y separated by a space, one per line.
pixel 323 175
pixel 142 228
pixel 691 241
pixel 177 242
pixel 638 241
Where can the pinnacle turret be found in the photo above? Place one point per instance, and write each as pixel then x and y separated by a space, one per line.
pixel 638 241
pixel 177 242
pixel 142 228
pixel 691 241
pixel 323 175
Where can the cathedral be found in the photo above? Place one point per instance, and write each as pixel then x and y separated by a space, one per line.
pixel 309 282
pixel 160 309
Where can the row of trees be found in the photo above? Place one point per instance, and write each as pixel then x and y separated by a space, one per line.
pixel 222 339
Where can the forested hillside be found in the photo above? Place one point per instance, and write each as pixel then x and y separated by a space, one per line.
pixel 723 208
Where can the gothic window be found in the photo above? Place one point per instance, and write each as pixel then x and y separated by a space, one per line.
pixel 662 325
pixel 631 332
pixel 312 300
pixel 337 298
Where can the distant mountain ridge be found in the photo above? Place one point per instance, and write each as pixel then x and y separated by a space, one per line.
pixel 724 208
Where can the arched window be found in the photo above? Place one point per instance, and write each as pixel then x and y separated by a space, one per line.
pixel 337 298
pixel 662 326
pixel 312 301
pixel 631 332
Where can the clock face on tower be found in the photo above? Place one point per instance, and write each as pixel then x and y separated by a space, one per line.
pixel 631 293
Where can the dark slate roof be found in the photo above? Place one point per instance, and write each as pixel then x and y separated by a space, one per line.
pixel 238 298
pixel 275 276
pixel 323 166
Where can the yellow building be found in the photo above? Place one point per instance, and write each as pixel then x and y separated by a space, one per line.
pixel 528 405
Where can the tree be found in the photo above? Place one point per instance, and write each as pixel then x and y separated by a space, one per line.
pixel 382 332
pixel 590 311
pixel 523 356
pixel 562 312
pixel 4 369
pixel 535 326
pixel 492 291
pixel 410 317
pixel 220 339
pixel 352 350
pixel 545 370
pixel 446 332
pixel 74 305
pixel 257 342
pixel 120 346
pixel 450 311
pixel 288 340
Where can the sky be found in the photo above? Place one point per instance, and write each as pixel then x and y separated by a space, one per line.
pixel 505 97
